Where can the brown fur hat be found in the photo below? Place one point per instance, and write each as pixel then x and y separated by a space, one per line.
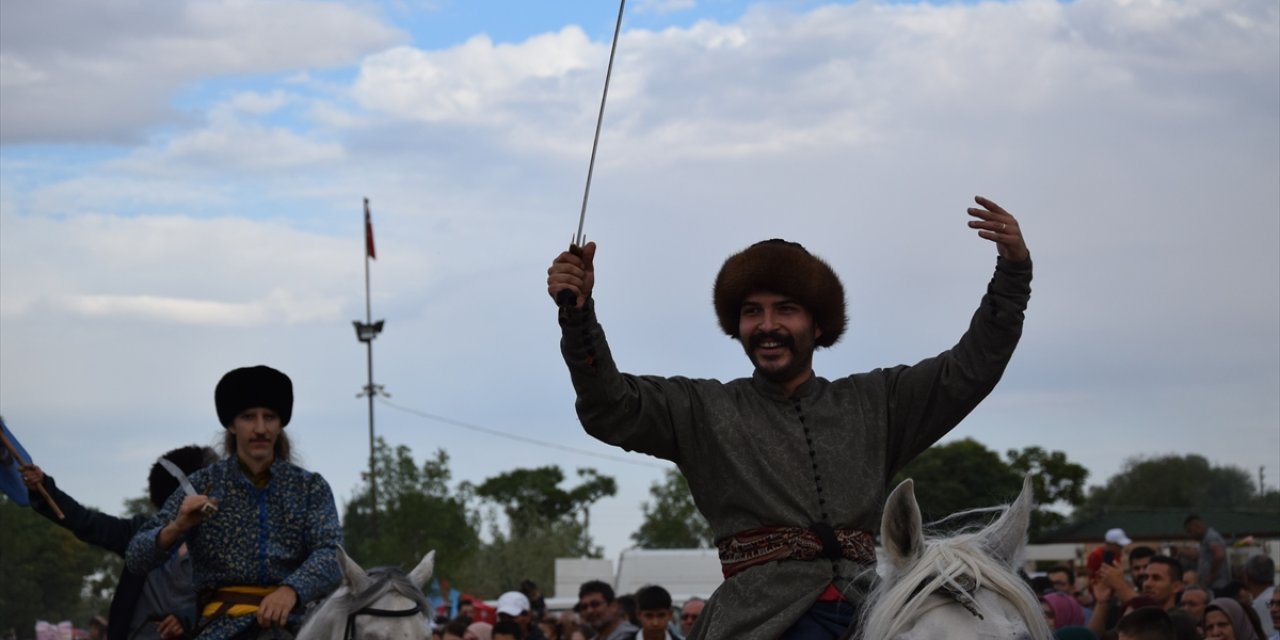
pixel 784 268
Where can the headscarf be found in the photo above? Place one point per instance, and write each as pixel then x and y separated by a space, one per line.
pixel 1234 611
pixel 483 630
pixel 1067 611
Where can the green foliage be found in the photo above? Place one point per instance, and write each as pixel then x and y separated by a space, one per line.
pixel 671 520
pixel 960 475
pixel 1269 501
pixel 532 498
pixel 43 570
pixel 964 474
pixel 542 525
pixel 416 513
pixel 140 505
pixel 1056 481
pixel 530 555
pixel 1173 482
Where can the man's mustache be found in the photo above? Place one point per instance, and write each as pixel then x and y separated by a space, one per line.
pixel 783 339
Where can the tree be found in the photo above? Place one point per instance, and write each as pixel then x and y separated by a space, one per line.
pixel 964 474
pixel 671 520
pixel 1056 481
pixel 542 525
pixel 44 572
pixel 508 558
pixel 1173 482
pixel 532 498
pixel 416 513
pixel 960 475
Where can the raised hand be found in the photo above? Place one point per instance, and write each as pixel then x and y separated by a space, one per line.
pixel 574 273
pixel 999 226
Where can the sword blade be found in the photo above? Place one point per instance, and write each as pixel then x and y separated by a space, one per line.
pixel 595 143
pixel 181 477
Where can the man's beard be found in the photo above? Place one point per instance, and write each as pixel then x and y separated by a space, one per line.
pixel 800 362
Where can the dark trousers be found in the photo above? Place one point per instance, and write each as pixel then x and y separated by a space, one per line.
pixel 823 621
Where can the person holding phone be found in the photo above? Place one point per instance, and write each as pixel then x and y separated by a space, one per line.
pixel 1110 552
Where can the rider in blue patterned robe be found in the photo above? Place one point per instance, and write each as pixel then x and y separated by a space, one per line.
pixel 267 543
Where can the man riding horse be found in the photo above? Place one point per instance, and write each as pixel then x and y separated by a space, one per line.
pixel 790 469
pixel 263 533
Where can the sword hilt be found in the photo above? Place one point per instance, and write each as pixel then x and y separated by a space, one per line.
pixel 565 299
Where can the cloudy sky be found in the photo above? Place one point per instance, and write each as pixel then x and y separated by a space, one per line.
pixel 181 186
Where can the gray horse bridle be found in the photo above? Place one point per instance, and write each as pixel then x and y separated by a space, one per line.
pixel 961 593
pixel 350 633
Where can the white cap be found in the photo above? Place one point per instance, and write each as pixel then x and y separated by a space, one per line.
pixel 1117 536
pixel 513 603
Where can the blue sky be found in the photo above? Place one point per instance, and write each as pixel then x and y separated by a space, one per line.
pixel 181 187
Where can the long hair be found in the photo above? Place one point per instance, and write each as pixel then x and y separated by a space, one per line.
pixel 282 449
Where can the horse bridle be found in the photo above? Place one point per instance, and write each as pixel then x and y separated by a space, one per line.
pixel 350 633
pixel 960 591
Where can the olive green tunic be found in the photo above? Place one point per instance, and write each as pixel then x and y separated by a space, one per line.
pixel 756 458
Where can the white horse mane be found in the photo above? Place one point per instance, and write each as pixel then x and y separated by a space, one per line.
pixel 959 565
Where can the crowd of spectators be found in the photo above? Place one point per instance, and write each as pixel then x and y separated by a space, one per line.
pixel 600 614
pixel 1176 593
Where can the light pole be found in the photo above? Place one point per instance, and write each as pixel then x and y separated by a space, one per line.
pixel 365 332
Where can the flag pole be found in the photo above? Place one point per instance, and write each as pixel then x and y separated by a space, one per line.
pixel 365 332
pixel 17 460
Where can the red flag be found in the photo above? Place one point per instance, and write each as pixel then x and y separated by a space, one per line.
pixel 368 232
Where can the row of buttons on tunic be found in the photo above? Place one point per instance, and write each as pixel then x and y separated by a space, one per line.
pixel 817 477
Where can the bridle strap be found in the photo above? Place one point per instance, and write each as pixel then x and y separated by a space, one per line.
pixel 961 594
pixel 350 633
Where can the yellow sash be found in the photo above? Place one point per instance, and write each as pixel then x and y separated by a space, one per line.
pixel 235 601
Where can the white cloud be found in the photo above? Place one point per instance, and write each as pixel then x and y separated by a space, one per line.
pixel 257 104
pixel 664 6
pixel 239 146
pixel 277 307
pixel 108 70
pixel 173 270
pixel 474 82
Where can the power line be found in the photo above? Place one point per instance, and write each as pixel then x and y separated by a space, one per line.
pixel 518 438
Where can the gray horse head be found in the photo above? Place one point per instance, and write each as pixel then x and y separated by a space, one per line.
pixel 382 603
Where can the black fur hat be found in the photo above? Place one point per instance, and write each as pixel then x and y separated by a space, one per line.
pixel 784 268
pixel 192 458
pixel 249 387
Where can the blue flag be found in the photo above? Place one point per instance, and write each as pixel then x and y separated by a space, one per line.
pixel 10 476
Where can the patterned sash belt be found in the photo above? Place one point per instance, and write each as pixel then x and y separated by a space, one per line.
pixel 755 547
pixel 235 601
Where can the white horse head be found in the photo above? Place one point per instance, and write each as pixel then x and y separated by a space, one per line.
pixel 382 604
pixel 962 588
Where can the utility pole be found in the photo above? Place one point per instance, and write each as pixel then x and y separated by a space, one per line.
pixel 365 332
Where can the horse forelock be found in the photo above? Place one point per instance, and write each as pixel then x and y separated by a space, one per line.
pixel 958 563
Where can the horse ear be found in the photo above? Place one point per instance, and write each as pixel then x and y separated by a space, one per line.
pixel 352 574
pixel 422 572
pixel 1006 538
pixel 900 527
